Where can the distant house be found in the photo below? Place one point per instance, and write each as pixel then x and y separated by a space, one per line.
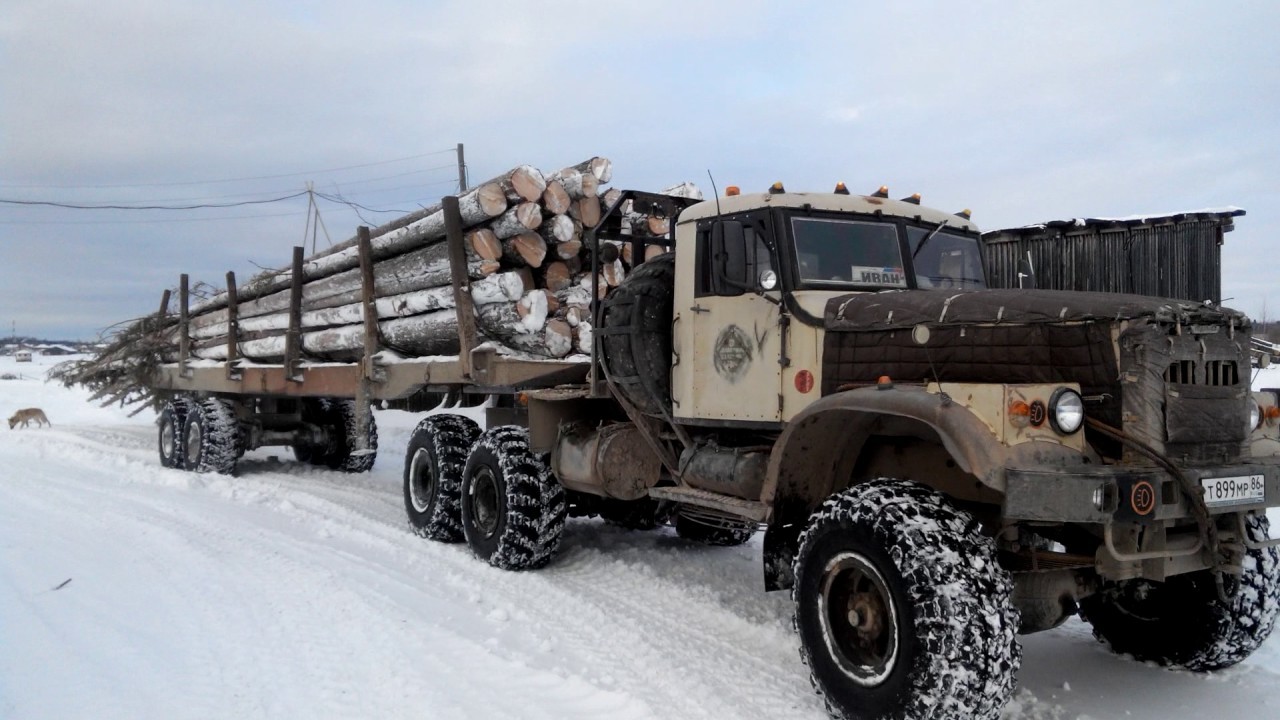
pixel 23 355
pixel 58 350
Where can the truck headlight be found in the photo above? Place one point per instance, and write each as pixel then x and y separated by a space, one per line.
pixel 1255 414
pixel 1066 411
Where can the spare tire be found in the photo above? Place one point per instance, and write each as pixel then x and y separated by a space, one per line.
pixel 635 337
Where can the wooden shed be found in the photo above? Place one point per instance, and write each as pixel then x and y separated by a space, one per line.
pixel 1177 255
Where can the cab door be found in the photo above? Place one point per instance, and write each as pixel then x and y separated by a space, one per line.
pixel 727 338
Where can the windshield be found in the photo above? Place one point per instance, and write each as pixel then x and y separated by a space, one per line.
pixel 863 254
pixel 946 260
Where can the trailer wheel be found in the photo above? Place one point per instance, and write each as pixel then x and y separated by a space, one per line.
pixel 211 437
pixel 902 609
pixel 513 510
pixel 433 466
pixel 1182 621
pixel 171 424
pixel 338 418
pixel 699 531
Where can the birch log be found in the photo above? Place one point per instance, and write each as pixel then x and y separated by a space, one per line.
pixel 480 204
pixel 554 199
pixel 520 218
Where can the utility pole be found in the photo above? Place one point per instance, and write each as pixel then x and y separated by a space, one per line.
pixel 462 171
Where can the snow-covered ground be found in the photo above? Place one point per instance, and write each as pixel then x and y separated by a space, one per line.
pixel 132 591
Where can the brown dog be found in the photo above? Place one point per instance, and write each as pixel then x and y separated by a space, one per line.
pixel 26 416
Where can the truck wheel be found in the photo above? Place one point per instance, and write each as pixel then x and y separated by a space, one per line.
pixel 172 422
pixel 701 532
pixel 1182 621
pixel 211 437
pixel 433 467
pixel 513 510
pixel 902 609
pixel 338 418
pixel 636 334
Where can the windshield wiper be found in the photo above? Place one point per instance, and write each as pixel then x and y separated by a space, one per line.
pixel 927 238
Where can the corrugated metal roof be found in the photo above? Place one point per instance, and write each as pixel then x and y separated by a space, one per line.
pixel 1223 216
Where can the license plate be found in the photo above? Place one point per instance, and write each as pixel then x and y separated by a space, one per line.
pixel 1239 490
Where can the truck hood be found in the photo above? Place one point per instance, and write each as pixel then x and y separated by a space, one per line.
pixel 904 309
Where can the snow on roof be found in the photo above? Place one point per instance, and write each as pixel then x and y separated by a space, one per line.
pixel 1223 215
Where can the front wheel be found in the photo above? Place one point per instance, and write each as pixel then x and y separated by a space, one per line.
pixel 1182 621
pixel 902 609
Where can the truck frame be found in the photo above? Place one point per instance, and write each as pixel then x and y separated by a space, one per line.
pixel 937 467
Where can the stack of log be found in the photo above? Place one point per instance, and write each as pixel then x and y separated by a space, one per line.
pixel 530 277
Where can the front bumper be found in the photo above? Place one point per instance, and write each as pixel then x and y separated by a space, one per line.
pixel 1116 494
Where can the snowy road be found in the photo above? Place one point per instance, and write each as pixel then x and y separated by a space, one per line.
pixel 294 592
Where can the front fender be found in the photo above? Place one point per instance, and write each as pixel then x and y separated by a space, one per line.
pixel 815 455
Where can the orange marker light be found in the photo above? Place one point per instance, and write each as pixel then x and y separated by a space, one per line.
pixel 732 190
pixel 914 199
pixel 1271 412
pixel 883 192
pixel 1019 413
pixel 841 189
pixel 776 188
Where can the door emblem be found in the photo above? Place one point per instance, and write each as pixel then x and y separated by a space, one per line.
pixel 732 354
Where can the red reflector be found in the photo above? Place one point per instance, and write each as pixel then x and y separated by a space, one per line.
pixel 804 381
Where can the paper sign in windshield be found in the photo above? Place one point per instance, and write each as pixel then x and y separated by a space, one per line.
pixel 878 276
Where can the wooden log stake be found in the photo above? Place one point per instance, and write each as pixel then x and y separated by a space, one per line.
pixel 164 310
pixel 233 325
pixel 293 336
pixel 364 391
pixel 184 336
pixel 466 313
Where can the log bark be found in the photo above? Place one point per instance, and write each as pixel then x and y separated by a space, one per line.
pixel 557 229
pixel 569 250
pixel 424 268
pixel 522 184
pixel 577 183
pixel 521 218
pixel 559 338
pixel 599 168
pixel 609 197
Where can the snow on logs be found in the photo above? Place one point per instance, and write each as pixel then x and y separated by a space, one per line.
pixel 530 277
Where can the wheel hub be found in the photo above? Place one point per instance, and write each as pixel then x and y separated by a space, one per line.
pixel 859 620
pixel 191 446
pixel 484 502
pixel 168 439
pixel 422 480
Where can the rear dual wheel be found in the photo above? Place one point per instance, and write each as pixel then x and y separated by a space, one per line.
pixel 513 510
pixel 433 467
pixel 210 437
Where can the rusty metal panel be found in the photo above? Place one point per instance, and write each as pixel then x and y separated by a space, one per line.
pixel 1178 256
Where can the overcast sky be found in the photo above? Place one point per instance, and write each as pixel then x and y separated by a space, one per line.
pixel 1024 112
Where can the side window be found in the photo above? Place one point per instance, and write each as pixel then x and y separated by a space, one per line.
pixel 759 258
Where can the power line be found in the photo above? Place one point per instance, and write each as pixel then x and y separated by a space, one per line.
pixel 75 206
pixel 239 179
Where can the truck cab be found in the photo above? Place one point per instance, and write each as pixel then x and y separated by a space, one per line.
pixel 743 357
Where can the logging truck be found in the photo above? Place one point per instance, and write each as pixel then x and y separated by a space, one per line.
pixel 936 467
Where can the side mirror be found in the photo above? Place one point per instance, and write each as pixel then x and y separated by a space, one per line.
pixel 729 258
pixel 1026 274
